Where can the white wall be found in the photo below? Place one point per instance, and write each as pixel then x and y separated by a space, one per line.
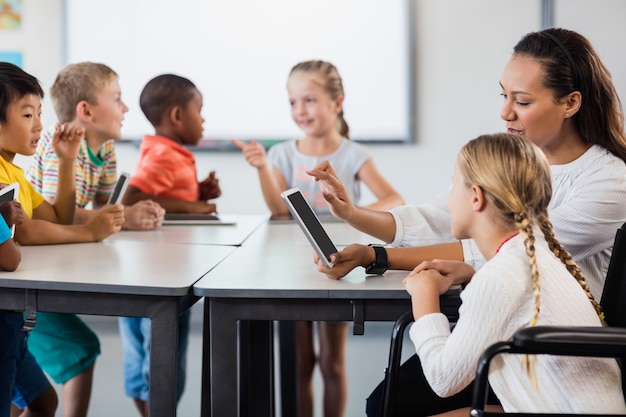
pixel 41 42
pixel 462 47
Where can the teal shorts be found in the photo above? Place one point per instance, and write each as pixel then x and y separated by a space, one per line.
pixel 63 345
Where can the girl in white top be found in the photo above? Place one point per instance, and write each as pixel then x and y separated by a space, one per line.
pixel 499 198
pixel 316 98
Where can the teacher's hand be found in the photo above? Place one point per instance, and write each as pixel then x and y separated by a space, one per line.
pixel 345 261
pixel 333 190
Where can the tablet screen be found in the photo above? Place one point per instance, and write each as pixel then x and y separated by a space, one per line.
pixel 8 193
pixel 309 222
pixel 120 189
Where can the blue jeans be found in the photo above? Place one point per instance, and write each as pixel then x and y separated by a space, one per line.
pixel 21 378
pixel 135 333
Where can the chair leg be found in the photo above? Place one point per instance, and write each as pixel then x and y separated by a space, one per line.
pixel 393 367
pixel 481 383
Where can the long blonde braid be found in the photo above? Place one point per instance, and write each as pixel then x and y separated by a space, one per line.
pixel 525 228
pixel 565 257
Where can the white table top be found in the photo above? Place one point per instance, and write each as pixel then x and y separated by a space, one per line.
pixel 277 261
pixel 115 266
pixel 208 234
pixel 289 233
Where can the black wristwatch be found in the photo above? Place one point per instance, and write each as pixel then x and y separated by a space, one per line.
pixel 380 264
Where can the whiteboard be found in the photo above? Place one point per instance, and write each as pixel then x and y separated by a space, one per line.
pixel 239 54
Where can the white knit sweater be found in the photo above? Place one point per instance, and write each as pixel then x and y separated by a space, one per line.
pixel 497 302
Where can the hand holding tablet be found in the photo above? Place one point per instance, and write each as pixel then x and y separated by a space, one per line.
pixel 310 224
pixel 10 193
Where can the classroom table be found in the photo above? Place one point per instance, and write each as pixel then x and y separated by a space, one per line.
pixel 204 234
pixel 272 277
pixel 288 232
pixel 118 277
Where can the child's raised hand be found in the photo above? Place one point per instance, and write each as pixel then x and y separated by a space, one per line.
pixel 143 215
pixel 108 220
pixel 209 187
pixel 12 212
pixel 254 152
pixel 66 141
pixel 333 190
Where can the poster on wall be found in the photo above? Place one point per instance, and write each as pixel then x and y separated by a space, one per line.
pixel 14 57
pixel 10 14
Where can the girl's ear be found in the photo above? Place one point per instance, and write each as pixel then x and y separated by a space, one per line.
pixel 479 201
pixel 338 104
pixel 573 102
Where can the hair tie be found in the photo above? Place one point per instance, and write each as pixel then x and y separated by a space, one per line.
pixel 569 57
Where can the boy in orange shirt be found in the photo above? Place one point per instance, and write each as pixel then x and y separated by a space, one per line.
pixel 166 173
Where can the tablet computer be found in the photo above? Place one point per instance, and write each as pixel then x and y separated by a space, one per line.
pixel 310 224
pixel 8 193
pixel 120 189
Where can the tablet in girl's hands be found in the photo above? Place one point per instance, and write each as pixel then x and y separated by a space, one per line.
pixel 310 224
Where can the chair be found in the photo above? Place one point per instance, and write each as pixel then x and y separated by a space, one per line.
pixel 574 341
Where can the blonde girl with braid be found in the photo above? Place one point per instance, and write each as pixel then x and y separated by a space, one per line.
pixel 500 193
pixel 316 98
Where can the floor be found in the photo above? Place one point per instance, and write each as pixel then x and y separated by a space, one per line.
pixel 367 358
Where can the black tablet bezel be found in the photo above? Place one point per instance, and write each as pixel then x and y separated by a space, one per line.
pixel 310 224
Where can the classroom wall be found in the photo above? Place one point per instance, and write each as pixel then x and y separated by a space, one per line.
pixel 461 48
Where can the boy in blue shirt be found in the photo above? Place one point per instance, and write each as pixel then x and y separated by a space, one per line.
pixel 21 380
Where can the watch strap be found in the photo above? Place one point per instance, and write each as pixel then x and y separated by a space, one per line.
pixel 381 263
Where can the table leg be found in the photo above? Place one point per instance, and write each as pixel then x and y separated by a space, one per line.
pixel 223 372
pixel 287 348
pixel 256 368
pixel 205 394
pixel 163 362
